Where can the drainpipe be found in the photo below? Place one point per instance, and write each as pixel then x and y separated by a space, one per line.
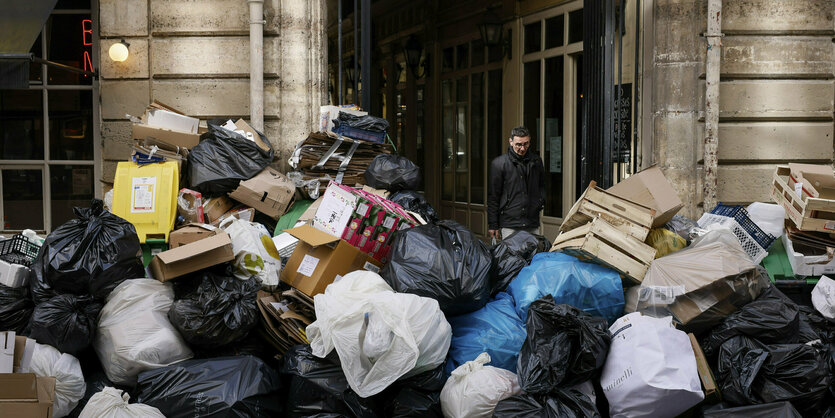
pixel 256 63
pixel 712 66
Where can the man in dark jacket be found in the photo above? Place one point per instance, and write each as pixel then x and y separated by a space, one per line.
pixel 517 188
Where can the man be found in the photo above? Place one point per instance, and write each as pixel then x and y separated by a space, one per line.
pixel 517 188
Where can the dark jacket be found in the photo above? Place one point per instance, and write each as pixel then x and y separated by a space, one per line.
pixel 517 191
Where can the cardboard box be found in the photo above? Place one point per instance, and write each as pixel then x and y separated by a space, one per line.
pixel 161 118
pixel 26 395
pixel 705 374
pixel 650 188
pixel 215 207
pixel 335 210
pixel 7 342
pixel 23 350
pixel 168 125
pixel 816 180
pixel 180 139
pixel 706 306
pixel 807 265
pixel 190 233
pixel 250 131
pixel 246 214
pixel 192 257
pixel 319 258
pixel 13 275
pixel 269 192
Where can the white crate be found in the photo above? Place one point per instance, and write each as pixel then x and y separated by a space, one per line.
pixel 754 250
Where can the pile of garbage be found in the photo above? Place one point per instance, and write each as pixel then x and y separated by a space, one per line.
pixel 211 284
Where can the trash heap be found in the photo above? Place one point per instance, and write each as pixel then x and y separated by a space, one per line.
pixel 209 283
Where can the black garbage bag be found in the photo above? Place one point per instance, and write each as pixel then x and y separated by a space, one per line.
pixel 221 310
pixel 220 387
pixel 444 261
pixel 414 403
pixel 89 255
pixel 769 410
pixel 393 173
pixel 565 346
pixel 66 322
pixel 415 202
pixel 367 122
pixel 429 381
pixel 513 253
pixel 223 158
pixel 318 386
pixel 750 372
pixel 771 318
pixel 562 403
pixel 15 308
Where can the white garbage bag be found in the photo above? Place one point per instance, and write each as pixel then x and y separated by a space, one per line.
pixel 379 335
pixel 474 389
pixel 651 369
pixel 47 361
pixel 113 403
pixel 769 217
pixel 134 333
pixel 255 252
pixel 823 297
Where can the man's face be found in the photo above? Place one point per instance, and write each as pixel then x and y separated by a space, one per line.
pixel 520 144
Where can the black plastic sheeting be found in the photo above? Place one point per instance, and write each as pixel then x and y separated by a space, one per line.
pixel 393 173
pixel 66 322
pixel 770 410
pixel 223 158
pixel 417 396
pixel 443 261
pixel 367 122
pixel 220 387
pixel 89 255
pixel 565 346
pixel 15 308
pixel 221 310
pixel 563 403
pixel 415 202
pixel 513 253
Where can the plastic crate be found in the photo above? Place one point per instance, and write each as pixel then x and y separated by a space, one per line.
pixel 751 247
pixel 741 217
pixel 152 247
pixel 777 263
pixel 362 134
pixel 19 250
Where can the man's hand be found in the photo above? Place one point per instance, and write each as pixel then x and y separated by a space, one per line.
pixel 494 233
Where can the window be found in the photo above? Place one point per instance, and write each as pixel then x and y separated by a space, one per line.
pixel 48 131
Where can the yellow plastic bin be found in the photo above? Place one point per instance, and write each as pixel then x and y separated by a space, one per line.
pixel 146 196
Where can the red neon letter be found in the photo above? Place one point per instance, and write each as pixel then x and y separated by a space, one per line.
pixel 87 31
pixel 88 63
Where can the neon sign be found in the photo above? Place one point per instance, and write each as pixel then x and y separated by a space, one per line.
pixel 87 41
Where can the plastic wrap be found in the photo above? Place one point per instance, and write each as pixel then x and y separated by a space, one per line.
pixel 651 369
pixel 684 227
pixel 665 241
pixel 241 386
pixel 417 335
pixel 474 389
pixel 823 298
pixel 700 285
pixel 113 403
pixel 443 261
pixel 494 329
pixel 513 253
pixel 564 346
pixel 594 289
pixel 89 255
pixel 134 333
pixel 367 122
pixel 393 173
pixel 223 158
pixel 222 309
pixel 255 252
pixel 69 380
pixel 15 308
pixel 66 322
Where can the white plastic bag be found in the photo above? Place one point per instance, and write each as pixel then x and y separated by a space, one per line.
pixel 823 297
pixel 650 370
pixel 474 389
pixel 134 333
pixel 379 335
pixel 769 217
pixel 69 380
pixel 255 252
pixel 113 403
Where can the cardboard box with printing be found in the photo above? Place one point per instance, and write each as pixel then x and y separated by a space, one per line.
pixel 192 257
pixel 190 233
pixel 269 192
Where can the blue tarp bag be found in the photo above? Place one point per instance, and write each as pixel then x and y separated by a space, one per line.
pixel 494 329
pixel 594 289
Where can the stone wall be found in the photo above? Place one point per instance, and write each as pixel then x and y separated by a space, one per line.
pixel 194 56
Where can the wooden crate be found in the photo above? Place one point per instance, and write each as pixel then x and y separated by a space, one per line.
pixel 627 216
pixel 807 213
pixel 602 243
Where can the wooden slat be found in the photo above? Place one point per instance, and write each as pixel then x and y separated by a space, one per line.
pixel 808 214
pixel 627 244
pixel 593 210
pixel 639 214
pixel 616 260
pixel 630 217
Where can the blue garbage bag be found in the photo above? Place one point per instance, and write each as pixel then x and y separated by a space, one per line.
pixel 494 329
pixel 594 289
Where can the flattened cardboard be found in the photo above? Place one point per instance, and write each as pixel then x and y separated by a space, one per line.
pixel 23 349
pixel 332 257
pixel 269 192
pixel 650 188
pixel 180 139
pixel 190 233
pixel 246 128
pixel 215 207
pixel 26 395
pixel 705 374
pixel 192 257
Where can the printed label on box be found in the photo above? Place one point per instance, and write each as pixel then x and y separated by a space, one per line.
pixel 371 267
pixel 362 209
pixel 308 265
pixel 142 194
pixel 389 222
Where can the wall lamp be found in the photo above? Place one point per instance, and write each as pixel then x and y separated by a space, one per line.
pixel 413 51
pixel 119 51
pixel 492 31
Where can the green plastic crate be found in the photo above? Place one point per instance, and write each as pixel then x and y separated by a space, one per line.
pixel 777 264
pixel 152 247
